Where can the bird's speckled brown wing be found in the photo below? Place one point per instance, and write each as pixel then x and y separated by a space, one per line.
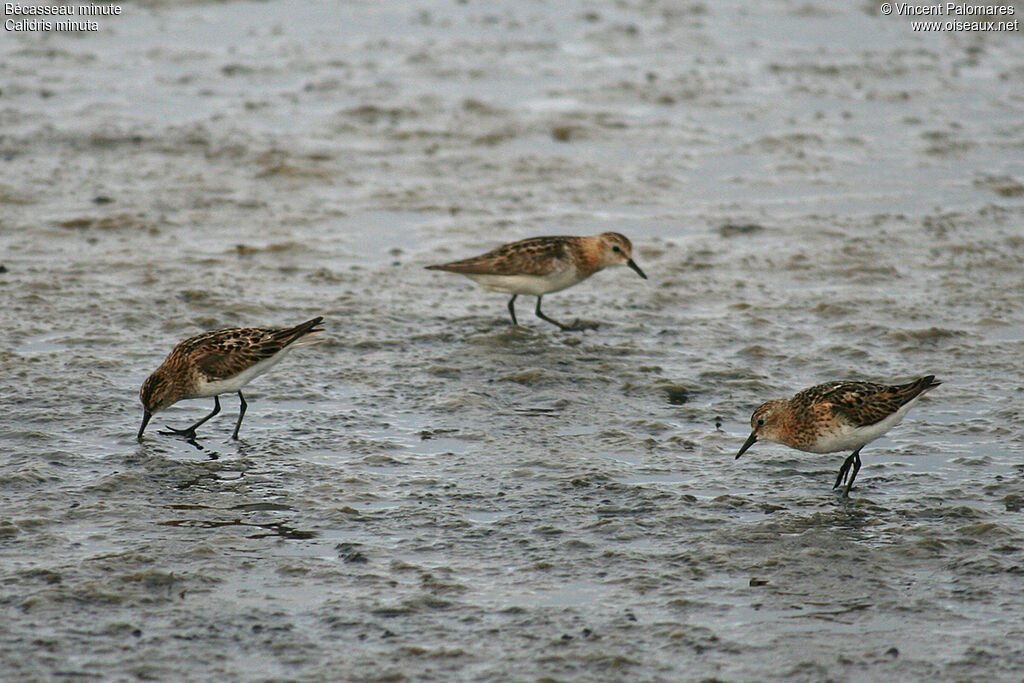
pixel 539 256
pixel 225 353
pixel 861 403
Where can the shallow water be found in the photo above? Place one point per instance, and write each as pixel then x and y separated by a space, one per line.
pixel 815 192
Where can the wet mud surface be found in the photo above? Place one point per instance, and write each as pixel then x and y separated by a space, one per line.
pixel 430 494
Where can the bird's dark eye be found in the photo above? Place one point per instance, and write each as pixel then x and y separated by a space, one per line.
pixel 616 249
pixel 760 422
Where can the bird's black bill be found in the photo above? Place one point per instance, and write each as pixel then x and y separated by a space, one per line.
pixel 632 264
pixel 145 421
pixel 747 444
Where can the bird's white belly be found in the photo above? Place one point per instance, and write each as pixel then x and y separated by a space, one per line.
pixel 235 383
pixel 849 438
pixel 527 284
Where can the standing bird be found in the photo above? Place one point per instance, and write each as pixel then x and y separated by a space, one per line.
pixel 215 363
pixel 540 265
pixel 836 416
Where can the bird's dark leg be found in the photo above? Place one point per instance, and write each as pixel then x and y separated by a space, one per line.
pixel 512 309
pixel 242 405
pixel 190 432
pixel 575 326
pixel 854 460
pixel 853 475
pixel 841 477
pixel 540 314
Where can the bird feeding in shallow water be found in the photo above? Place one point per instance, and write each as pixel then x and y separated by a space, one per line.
pixel 836 416
pixel 219 362
pixel 541 265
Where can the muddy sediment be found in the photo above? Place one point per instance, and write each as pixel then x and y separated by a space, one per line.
pixel 431 494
